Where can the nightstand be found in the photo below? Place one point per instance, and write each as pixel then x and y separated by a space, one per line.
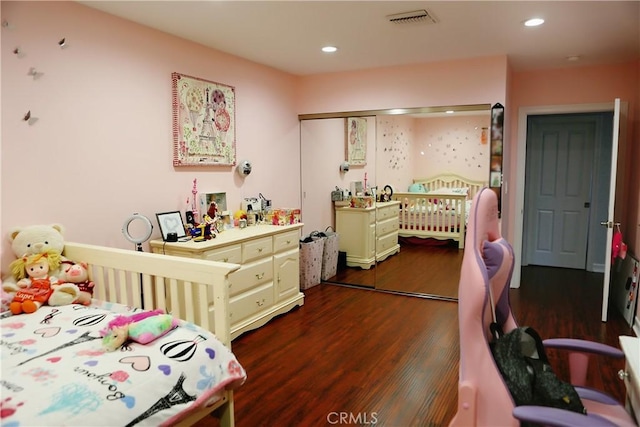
pixel 631 374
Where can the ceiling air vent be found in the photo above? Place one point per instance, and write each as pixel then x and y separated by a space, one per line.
pixel 414 16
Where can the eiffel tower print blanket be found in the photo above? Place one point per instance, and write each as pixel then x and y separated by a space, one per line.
pixel 56 372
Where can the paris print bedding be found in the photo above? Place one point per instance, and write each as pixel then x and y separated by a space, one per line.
pixel 55 371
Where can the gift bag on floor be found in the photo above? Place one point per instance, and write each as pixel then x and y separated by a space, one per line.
pixel 330 254
pixel 311 249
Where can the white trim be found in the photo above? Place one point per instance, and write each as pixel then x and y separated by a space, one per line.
pixel 523 116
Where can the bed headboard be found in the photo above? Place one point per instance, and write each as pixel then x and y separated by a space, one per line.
pixel 451 181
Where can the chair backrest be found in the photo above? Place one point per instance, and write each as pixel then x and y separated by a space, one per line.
pixel 487 265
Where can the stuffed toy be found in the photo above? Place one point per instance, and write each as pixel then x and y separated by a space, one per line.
pixel 77 273
pixel 63 294
pixel 141 327
pixel 34 280
pixel 36 239
pixel 7 292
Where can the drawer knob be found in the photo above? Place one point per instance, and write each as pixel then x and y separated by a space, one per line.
pixel 288 242
pixel 260 303
pixel 260 276
pixel 259 249
pixel 622 374
pixel 225 260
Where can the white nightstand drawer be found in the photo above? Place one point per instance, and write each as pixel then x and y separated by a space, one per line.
pixel 229 254
pixel 388 212
pixel 257 248
pixel 286 241
pixel 251 275
pixel 251 302
pixel 387 226
pixel 386 242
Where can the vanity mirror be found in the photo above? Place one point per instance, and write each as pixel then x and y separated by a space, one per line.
pixel 402 145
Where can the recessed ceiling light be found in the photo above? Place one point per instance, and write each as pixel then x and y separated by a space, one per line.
pixel 573 58
pixel 533 22
pixel 329 49
pixel 449 111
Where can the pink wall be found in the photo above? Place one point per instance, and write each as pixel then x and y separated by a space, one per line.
pixel 101 147
pixel 587 85
pixel 473 81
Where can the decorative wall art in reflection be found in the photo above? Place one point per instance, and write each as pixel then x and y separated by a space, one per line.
pixel 204 131
pixel 497 142
pixel 356 140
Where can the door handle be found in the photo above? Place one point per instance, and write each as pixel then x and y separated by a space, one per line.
pixel 587 204
pixel 609 224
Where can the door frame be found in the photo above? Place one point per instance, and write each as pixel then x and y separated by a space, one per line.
pixel 523 116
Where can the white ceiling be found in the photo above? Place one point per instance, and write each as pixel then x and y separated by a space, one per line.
pixel 288 35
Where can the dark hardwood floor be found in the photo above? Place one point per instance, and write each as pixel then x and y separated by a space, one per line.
pixel 392 360
pixel 435 270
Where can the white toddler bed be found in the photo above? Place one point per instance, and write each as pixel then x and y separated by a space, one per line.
pixel 55 371
pixel 438 208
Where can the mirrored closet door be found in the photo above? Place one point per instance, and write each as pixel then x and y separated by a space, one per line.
pixel 402 146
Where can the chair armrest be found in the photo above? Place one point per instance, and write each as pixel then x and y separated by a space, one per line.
pixel 583 346
pixel 554 417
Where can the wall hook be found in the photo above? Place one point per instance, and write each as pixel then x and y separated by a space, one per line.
pixel 27 116
pixel 18 52
pixel 5 23
pixel 62 43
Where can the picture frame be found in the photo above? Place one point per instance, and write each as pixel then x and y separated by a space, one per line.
pixel 204 124
pixel 171 222
pixel 207 198
pixel 356 141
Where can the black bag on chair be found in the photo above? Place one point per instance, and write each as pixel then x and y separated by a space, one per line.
pixel 521 358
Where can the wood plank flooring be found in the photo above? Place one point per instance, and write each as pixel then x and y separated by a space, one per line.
pixel 431 270
pixel 394 358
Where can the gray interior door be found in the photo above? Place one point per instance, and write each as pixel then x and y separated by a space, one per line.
pixel 558 189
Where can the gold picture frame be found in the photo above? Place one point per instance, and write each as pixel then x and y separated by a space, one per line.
pixel 356 141
pixel 204 128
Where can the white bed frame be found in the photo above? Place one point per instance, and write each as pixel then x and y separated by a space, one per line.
pixel 413 221
pixel 178 285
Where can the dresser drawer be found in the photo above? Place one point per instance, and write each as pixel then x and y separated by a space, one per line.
pixel 251 302
pixel 387 226
pixel 227 254
pixel 251 275
pixel 386 242
pixel 285 241
pixel 387 212
pixel 257 248
pixel 633 390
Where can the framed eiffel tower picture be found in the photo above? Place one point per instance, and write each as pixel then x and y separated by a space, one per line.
pixel 204 130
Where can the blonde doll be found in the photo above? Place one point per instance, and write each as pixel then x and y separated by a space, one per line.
pixel 32 273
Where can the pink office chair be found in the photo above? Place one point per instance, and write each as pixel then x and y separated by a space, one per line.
pixel 483 396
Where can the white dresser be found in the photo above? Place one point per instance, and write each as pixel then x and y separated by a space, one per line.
pixel 631 374
pixel 268 282
pixel 370 234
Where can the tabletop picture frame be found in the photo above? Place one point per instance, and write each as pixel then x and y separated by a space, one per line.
pixel 171 222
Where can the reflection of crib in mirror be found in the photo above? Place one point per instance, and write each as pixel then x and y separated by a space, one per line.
pixel 441 212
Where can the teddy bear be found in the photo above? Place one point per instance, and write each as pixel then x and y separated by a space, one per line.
pixel 77 273
pixel 36 239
